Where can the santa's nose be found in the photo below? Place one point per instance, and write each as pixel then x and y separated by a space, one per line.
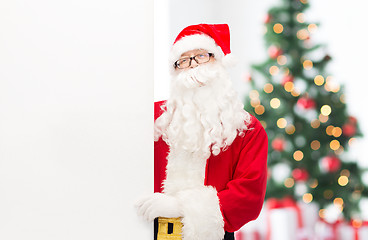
pixel 193 63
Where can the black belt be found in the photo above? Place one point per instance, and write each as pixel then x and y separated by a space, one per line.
pixel 228 235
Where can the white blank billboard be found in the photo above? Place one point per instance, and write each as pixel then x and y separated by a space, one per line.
pixel 76 117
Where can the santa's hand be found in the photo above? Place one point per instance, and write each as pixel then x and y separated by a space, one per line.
pixel 158 205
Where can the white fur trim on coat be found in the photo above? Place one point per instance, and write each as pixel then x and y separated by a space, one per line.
pixel 191 42
pixel 184 171
pixel 202 215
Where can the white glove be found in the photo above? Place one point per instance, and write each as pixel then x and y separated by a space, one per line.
pixel 158 205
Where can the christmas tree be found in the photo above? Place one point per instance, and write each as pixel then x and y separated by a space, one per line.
pixel 305 116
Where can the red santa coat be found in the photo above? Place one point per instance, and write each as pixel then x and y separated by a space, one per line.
pixel 239 174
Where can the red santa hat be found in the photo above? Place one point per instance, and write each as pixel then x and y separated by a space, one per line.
pixel 215 38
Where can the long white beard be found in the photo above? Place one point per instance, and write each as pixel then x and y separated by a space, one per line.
pixel 203 113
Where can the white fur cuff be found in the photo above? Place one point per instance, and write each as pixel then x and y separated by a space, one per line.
pixel 202 215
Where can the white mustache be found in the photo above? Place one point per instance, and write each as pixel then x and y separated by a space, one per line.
pixel 197 77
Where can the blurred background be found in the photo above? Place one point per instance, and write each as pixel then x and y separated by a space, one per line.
pixel 342 32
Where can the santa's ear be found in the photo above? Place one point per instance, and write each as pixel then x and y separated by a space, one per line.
pixel 229 60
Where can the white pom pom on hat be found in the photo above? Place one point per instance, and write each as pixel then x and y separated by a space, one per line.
pixel 215 38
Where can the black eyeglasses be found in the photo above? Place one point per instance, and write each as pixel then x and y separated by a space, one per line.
pixel 187 61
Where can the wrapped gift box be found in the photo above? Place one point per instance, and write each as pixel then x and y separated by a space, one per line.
pixel 289 220
pixel 282 219
pixel 355 230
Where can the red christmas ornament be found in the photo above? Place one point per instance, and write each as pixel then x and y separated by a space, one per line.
pixel 267 18
pixel 306 103
pixel 330 163
pixel 348 129
pixel 278 144
pixel 274 52
pixel 287 78
pixel 300 174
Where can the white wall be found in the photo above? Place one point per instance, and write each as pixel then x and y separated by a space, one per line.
pixel 161 50
pixel 76 142
pixel 343 29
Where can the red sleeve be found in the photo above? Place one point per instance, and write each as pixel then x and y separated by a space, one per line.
pixel 158 111
pixel 160 153
pixel 242 199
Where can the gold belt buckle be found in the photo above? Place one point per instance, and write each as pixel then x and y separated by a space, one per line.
pixel 169 228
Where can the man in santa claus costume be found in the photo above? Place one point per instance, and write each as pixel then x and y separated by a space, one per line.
pixel 210 154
